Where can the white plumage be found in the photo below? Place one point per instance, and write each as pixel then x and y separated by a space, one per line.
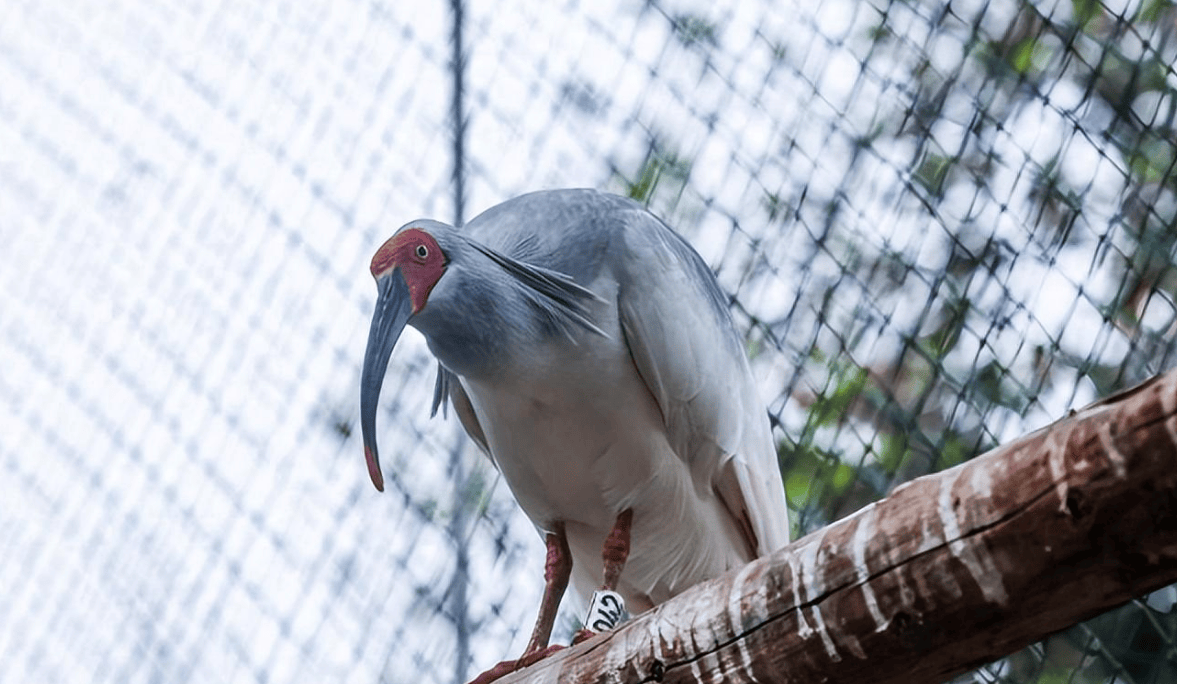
pixel 588 350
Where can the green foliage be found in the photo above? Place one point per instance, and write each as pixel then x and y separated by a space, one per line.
pixel 1152 161
pixel 661 166
pixel 827 409
pixel 932 172
pixel 813 475
pixel 1086 10
pixel 1153 11
pixel 880 402
pixel 1026 55
pixel 945 336
pixel 877 413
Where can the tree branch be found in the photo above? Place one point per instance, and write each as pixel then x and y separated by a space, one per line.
pixel 949 572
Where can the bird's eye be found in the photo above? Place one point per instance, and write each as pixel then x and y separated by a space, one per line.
pixel 422 252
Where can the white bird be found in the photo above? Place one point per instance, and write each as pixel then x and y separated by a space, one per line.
pixel 589 351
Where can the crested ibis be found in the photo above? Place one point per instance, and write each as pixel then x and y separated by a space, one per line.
pixel 589 351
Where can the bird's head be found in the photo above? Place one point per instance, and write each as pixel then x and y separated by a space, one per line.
pixel 487 296
pixel 406 267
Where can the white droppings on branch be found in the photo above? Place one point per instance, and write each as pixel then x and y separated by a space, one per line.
pixel 746 660
pixel 1168 390
pixel 656 638
pixel 862 536
pixel 929 586
pixel 1056 460
pixel 981 480
pixel 975 557
pixel 1115 457
pixel 803 627
pixel 735 613
pixel 810 581
pixel 924 538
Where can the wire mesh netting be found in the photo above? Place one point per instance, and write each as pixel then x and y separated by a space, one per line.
pixel 942 225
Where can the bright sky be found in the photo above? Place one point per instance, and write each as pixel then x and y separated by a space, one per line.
pixel 189 194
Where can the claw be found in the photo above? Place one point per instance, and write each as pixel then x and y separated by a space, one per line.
pixel 508 666
pixel 582 635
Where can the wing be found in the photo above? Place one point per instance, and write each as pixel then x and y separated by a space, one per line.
pixel 679 332
pixel 447 390
pixel 686 349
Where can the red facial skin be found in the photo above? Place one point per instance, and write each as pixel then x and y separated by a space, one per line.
pixel 419 258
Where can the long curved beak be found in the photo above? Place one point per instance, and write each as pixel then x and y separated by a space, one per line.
pixel 394 306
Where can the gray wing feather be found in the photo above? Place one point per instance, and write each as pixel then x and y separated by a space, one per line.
pixel 447 389
pixel 680 335
pixel 686 349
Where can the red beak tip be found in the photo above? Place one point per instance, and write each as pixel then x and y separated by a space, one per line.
pixel 374 469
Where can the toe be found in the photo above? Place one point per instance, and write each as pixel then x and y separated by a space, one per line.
pixel 502 669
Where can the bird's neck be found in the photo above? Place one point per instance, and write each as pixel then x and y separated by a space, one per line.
pixel 482 334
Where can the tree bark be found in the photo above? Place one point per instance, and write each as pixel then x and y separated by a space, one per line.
pixel 949 572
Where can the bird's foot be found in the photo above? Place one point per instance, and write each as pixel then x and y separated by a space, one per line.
pixel 508 666
pixel 582 635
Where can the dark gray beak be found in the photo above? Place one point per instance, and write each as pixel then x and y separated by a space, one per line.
pixel 394 306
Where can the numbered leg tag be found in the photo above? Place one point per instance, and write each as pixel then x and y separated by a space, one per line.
pixel 606 611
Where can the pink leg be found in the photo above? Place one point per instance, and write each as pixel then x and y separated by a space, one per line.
pixel 613 556
pixel 557 570
pixel 616 550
